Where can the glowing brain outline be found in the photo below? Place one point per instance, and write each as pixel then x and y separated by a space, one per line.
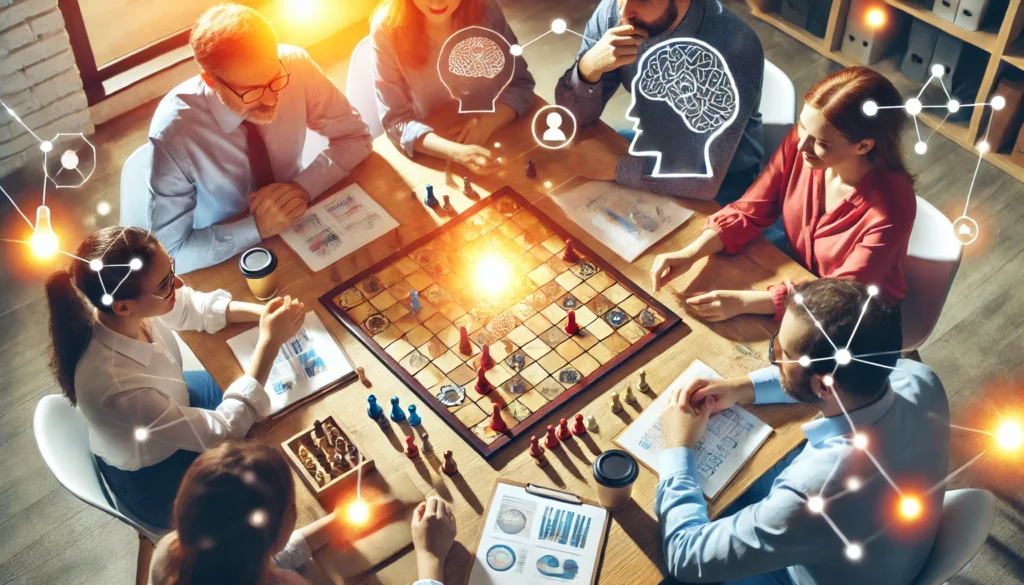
pixel 476 57
pixel 694 81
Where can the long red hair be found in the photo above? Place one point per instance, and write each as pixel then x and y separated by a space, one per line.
pixel 406 25
pixel 841 96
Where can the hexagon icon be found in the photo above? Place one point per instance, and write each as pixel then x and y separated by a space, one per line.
pixel 70 160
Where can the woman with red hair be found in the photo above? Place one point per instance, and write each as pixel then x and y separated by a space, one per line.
pixel 842 189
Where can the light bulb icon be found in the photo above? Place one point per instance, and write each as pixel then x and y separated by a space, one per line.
pixel 44 239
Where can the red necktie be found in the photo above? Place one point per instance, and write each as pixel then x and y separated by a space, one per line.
pixel 259 159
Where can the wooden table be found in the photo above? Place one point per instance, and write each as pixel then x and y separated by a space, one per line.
pixel 732 348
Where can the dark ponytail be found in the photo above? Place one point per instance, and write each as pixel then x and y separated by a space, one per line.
pixel 73 293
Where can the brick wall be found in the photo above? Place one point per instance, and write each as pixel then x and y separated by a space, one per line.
pixel 38 80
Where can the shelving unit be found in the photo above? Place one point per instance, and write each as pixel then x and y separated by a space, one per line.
pixel 1001 40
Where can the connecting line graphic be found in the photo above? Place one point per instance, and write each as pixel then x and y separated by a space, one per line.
pixel 558 27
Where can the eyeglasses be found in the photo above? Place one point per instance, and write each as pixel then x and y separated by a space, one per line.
pixel 255 94
pixel 169 280
pixel 771 349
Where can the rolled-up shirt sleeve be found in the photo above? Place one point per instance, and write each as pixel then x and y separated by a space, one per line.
pixel 394 97
pixel 768 387
pixel 295 554
pixel 198 311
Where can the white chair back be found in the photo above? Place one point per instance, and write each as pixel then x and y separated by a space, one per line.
pixel 933 258
pixel 359 88
pixel 63 439
pixel 967 517
pixel 136 203
pixel 778 107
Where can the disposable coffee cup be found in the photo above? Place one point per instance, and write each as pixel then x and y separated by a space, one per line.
pixel 258 266
pixel 615 471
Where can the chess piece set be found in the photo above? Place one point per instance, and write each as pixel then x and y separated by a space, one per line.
pixel 325 457
pixel 413 419
pixel 430 200
pixel 555 436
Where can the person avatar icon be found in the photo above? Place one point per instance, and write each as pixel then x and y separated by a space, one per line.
pixel 554 132
pixel 684 96
pixel 476 65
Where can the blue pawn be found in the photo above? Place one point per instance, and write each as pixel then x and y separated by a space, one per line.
pixel 414 302
pixel 430 200
pixel 414 418
pixel 374 410
pixel 397 414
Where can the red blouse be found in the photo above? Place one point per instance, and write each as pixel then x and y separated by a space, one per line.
pixel 865 237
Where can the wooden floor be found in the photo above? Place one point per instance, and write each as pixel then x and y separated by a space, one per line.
pixel 48 536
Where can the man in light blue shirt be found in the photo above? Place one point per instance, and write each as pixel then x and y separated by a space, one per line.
pixel 828 514
pixel 230 140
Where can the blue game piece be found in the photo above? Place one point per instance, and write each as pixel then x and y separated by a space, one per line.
pixel 397 414
pixel 430 200
pixel 414 418
pixel 414 302
pixel 374 410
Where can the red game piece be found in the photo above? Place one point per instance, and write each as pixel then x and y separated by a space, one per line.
pixel 569 254
pixel 570 326
pixel 551 440
pixel 483 385
pixel 464 346
pixel 411 450
pixel 486 361
pixel 537 452
pixel 578 428
pixel 563 430
pixel 497 423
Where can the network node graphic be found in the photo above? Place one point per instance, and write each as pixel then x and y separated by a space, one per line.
pixel 476 64
pixel 70 161
pixel 555 132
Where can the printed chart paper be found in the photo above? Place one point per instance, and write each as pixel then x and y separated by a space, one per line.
pixel 338 226
pixel 731 438
pixel 626 220
pixel 532 539
pixel 305 364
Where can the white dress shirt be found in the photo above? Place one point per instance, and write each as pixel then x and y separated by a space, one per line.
pixel 125 384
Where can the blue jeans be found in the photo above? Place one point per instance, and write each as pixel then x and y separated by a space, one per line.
pixel 149 493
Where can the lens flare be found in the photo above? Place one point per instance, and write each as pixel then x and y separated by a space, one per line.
pixel 875 17
pixel 492 274
pixel 358 512
pixel 1010 436
pixel 44 240
pixel 911 507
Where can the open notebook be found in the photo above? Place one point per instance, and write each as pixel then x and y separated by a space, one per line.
pixel 731 438
pixel 305 365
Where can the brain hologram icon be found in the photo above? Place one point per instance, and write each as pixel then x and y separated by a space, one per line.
pixel 693 79
pixel 476 57
pixel 475 65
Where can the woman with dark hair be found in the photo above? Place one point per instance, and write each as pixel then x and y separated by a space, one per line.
pixel 407 39
pixel 842 189
pixel 115 357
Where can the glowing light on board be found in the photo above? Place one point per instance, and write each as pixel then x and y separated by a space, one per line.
pixel 492 274
pixel 358 512
pixel 1010 436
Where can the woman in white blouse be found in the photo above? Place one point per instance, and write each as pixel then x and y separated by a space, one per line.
pixel 115 357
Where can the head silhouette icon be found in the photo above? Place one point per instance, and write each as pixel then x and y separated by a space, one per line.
pixel 554 132
pixel 684 97
pixel 476 65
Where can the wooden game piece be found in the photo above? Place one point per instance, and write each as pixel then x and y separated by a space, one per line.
pixel 570 326
pixel 497 423
pixel 448 466
pixel 427 447
pixel 430 200
pixel 627 395
pixel 322 461
pixel 569 253
pixel 465 348
pixel 537 452
pixel 643 381
pixel 591 423
pixel 486 361
pixel 339 463
pixel 397 414
pixel 578 428
pixel 467 188
pixel 551 440
pixel 333 434
pixel 374 410
pixel 414 301
pixel 447 201
pixel 411 450
pixel 340 446
pixel 616 404
pixel 531 169
pixel 483 385
pixel 362 376
pixel 320 477
pixel 414 417
pixel 563 430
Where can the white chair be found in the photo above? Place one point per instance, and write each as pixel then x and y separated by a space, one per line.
pixel 136 204
pixel 967 517
pixel 359 87
pixel 778 107
pixel 933 258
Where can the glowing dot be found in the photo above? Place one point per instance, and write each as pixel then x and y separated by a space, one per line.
pixel 107 300
pixel 828 380
pixel 953 106
pixel 938 70
pixel 921 147
pixel 914 106
pixel 815 504
pixel 103 208
pixel 983 146
pixel 853 483
pixel 492 274
pixel 258 518
pixel 516 50
pixel 248 477
pixel 799 298
pixel 497 145
pixel 46 146
pixel 558 26
pixel 843 357
pixel 910 507
pixel 870 108
pixel 135 264
pixel 873 290
pixel 96 264
pixel 69 160
pixel 499 159
pixel 860 441
pixel 547 184
pixel 44 241
pixel 358 512
pixel 998 102
pixel 141 434
pixel 804 361
pixel 854 552
pixel 1010 436
pixel 875 17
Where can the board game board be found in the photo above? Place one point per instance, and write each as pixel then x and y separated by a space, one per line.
pixel 497 269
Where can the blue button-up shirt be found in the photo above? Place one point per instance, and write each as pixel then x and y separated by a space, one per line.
pixel 908 433
pixel 200 172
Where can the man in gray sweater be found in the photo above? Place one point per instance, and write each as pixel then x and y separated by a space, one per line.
pixel 694 70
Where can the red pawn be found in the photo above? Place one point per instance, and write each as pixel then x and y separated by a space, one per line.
pixel 578 428
pixel 569 254
pixel 483 385
pixel 535 449
pixel 486 361
pixel 551 440
pixel 570 326
pixel 411 450
pixel 497 423
pixel 563 430
pixel 465 348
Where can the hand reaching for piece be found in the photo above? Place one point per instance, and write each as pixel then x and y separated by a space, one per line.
pixel 433 532
pixel 669 266
pixel 277 206
pixel 593 160
pixel 477 159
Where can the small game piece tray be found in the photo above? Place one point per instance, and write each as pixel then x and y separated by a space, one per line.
pixel 331 486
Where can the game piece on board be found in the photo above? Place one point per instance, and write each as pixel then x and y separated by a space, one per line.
pixel 411 450
pixel 591 423
pixel 483 385
pixel 627 395
pixel 578 428
pixel 563 430
pixel 448 466
pixel 616 404
pixel 414 417
pixel 643 381
pixel 467 188
pixel 497 423
pixel 447 201
pixel 427 447
pixel 465 348
pixel 569 253
pixel 570 325
pixel 414 301
pixel 531 169
pixel 551 440
pixel 374 410
pixel 362 376
pixel 397 414
pixel 486 361
pixel 430 200
pixel 537 452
